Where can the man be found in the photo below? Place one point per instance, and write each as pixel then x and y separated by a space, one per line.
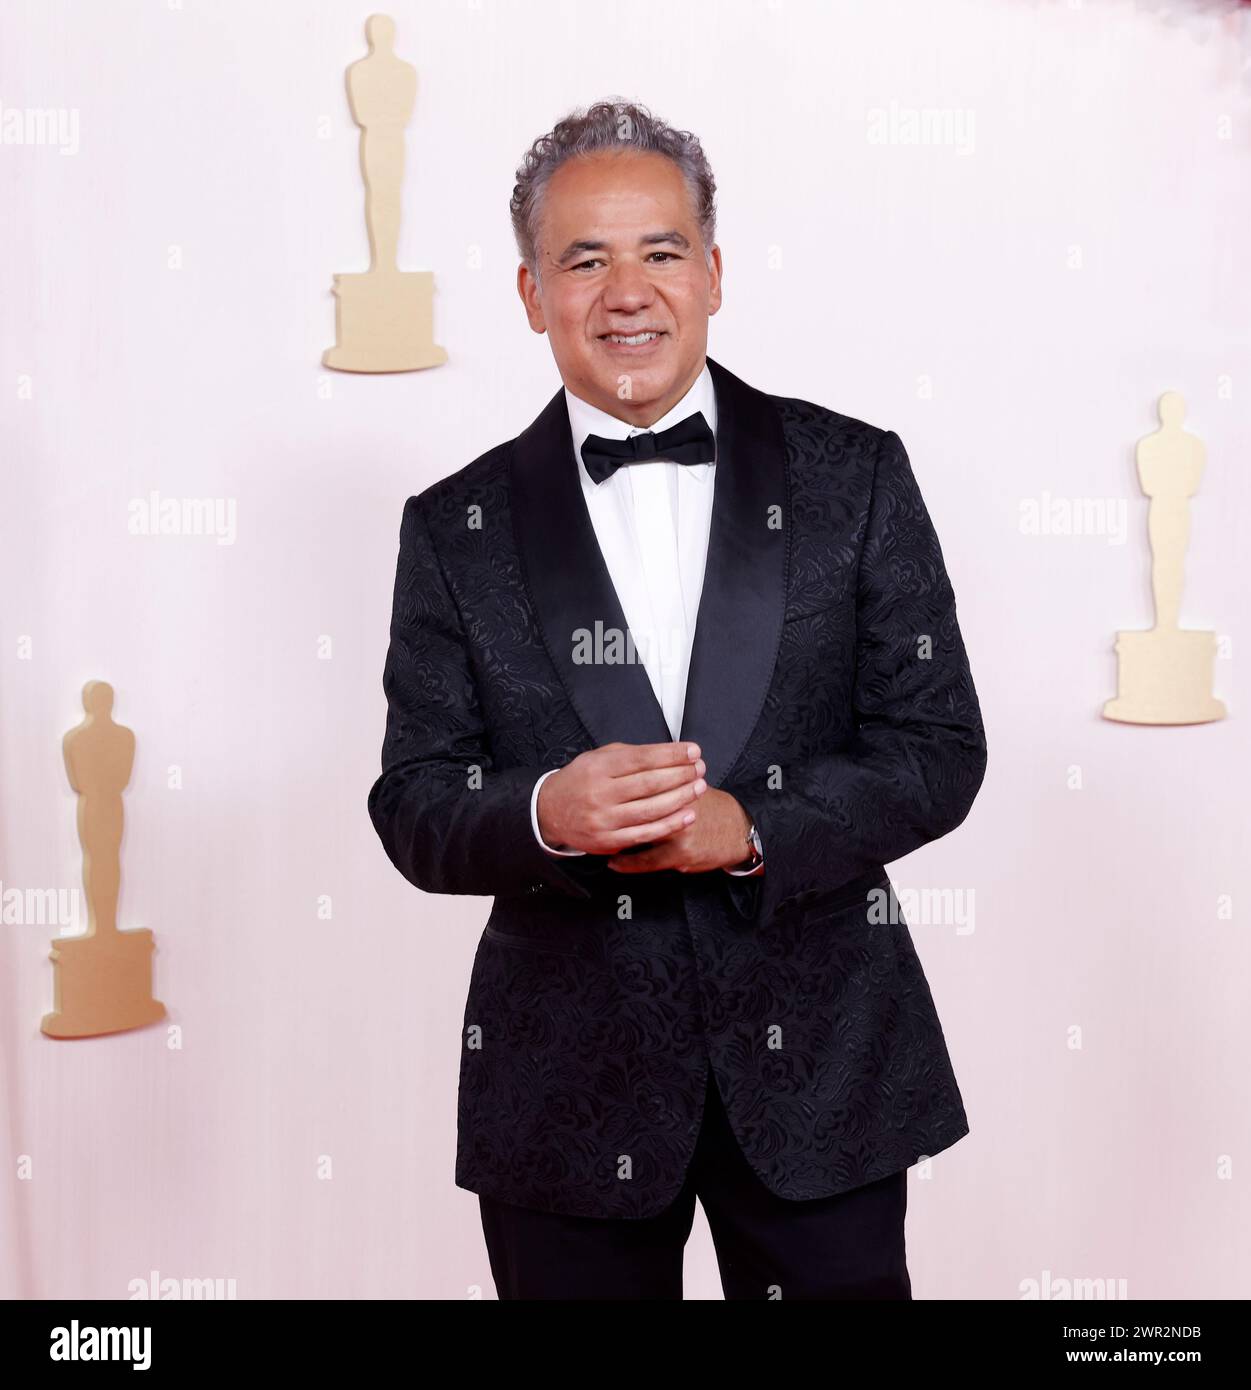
pixel 672 675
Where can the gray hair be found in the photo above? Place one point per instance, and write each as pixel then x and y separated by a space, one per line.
pixel 608 125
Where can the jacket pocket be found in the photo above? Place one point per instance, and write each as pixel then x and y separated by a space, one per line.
pixel 532 943
pixel 851 894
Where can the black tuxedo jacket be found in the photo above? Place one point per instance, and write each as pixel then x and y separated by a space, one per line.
pixel 829 691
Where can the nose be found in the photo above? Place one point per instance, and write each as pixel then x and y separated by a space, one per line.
pixel 627 289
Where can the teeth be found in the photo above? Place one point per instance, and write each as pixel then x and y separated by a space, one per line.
pixel 633 341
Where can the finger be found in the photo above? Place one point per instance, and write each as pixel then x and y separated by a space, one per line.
pixel 644 863
pixel 666 855
pixel 622 760
pixel 635 786
pixel 653 808
pixel 630 836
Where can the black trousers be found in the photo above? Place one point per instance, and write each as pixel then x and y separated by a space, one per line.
pixel 850 1246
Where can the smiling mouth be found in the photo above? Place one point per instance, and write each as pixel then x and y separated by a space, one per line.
pixel 639 339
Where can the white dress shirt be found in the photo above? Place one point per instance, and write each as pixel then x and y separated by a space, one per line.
pixel 652 522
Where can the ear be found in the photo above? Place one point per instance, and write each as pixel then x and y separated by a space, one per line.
pixel 529 290
pixel 714 280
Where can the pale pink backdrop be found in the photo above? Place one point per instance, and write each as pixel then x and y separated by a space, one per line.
pixel 1010 297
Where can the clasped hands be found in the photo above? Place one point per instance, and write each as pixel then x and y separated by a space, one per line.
pixel 614 799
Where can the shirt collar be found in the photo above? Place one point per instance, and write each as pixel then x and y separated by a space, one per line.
pixel 585 418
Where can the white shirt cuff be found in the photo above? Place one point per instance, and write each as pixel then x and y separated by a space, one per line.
pixel 534 819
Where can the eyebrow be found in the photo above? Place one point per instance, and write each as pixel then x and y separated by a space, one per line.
pixel 576 248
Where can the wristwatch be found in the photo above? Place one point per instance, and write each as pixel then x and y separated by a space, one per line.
pixel 756 855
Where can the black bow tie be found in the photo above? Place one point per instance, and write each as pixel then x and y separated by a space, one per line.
pixel 689 441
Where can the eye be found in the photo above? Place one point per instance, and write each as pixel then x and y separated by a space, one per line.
pixel 582 265
pixel 668 255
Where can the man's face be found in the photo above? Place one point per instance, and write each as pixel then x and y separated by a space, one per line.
pixel 619 254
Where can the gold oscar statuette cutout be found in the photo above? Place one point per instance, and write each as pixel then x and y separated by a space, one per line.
pixel 384 318
pixel 1165 674
pixel 102 980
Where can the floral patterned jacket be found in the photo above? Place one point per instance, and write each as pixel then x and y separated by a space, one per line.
pixel 829 691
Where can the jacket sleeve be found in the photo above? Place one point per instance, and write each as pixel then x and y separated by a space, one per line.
pixel 918 754
pixel 448 818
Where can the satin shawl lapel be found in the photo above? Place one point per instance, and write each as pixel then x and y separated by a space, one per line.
pixel 570 586
pixel 739 628
pixel 740 611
